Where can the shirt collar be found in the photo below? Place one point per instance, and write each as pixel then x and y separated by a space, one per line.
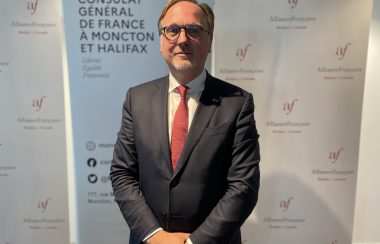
pixel 196 85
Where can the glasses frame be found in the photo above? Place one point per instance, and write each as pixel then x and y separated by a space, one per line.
pixel 185 28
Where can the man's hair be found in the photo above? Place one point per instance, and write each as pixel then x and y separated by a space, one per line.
pixel 207 11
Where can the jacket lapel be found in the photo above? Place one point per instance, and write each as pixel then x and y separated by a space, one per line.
pixel 159 103
pixel 208 102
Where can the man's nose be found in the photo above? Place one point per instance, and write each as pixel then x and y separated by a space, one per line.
pixel 182 37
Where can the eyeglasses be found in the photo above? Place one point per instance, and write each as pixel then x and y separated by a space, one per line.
pixel 192 32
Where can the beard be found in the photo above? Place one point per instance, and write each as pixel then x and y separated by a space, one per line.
pixel 184 64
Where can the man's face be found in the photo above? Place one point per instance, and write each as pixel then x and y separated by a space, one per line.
pixel 184 54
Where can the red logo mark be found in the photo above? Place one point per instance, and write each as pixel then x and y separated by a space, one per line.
pixel 37 103
pixel 289 106
pixel 32 7
pixel 43 204
pixel 241 53
pixel 284 204
pixel 341 51
pixel 293 3
pixel 334 156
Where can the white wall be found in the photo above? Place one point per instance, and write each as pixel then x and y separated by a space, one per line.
pixel 367 212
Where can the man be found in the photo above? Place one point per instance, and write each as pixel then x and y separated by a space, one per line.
pixel 186 166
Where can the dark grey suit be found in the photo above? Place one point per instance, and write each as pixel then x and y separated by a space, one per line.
pixel 215 185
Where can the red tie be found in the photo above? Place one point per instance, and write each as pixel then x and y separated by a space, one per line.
pixel 180 125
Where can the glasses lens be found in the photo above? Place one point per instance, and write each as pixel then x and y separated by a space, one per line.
pixel 193 31
pixel 172 31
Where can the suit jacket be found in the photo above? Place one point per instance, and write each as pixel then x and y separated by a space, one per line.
pixel 215 185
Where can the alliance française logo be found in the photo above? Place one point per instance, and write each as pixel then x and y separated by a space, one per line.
pixel 289 106
pixel 293 3
pixel 334 155
pixel 32 7
pixel 341 51
pixel 284 204
pixel 241 53
pixel 37 103
pixel 43 204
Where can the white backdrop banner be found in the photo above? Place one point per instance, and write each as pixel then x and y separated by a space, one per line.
pixel 111 47
pixel 304 61
pixel 33 173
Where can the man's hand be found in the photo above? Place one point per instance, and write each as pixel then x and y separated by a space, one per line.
pixel 163 237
